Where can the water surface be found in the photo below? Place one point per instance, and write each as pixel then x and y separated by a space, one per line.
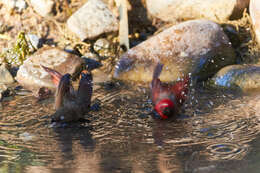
pixel 218 132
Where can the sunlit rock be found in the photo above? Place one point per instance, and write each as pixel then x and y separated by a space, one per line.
pixel 92 19
pixel 34 40
pixel 199 47
pixel 176 10
pixel 101 43
pixel 254 9
pixel 103 48
pixel 33 77
pixel 5 75
pixel 244 77
pixel 43 7
pixel 18 5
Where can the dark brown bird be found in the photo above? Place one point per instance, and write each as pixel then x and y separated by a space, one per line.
pixel 168 98
pixel 71 105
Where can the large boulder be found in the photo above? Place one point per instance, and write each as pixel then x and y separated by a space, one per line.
pixel 244 77
pixel 33 77
pixel 199 47
pixel 92 19
pixel 176 10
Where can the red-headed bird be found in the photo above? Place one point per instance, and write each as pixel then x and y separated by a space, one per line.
pixel 69 104
pixel 168 98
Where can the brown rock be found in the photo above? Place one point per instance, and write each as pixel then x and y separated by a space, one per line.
pixel 199 47
pixel 33 77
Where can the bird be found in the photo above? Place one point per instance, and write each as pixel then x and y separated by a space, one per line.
pixel 168 98
pixel 71 105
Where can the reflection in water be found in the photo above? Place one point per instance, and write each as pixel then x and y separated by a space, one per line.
pixel 215 129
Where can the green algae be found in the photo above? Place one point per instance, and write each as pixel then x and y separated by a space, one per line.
pixel 19 52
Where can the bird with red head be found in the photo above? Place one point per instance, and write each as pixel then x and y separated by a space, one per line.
pixel 168 98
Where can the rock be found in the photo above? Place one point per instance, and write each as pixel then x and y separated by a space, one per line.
pixel 178 10
pixel 34 40
pixel 5 75
pixel 43 7
pixel 18 5
pixel 101 43
pixel 244 77
pixel 31 76
pixel 103 48
pixel 199 47
pixel 92 19
pixel 254 10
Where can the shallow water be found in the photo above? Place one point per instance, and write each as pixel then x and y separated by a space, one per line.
pixel 218 132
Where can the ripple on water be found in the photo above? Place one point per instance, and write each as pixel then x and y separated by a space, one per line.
pixel 221 151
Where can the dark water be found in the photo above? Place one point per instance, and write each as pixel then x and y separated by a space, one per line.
pixel 218 132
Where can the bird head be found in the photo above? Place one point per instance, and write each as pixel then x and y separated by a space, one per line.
pixel 165 108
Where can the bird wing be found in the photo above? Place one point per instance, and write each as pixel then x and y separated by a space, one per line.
pixel 156 84
pixel 180 90
pixel 55 75
pixel 64 91
pixel 85 88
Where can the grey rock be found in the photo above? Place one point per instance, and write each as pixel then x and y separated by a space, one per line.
pixel 199 47
pixel 176 10
pixel 5 75
pixel 43 7
pixel 31 76
pixel 92 19
pixel 244 77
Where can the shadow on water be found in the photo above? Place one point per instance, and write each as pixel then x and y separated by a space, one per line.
pixel 217 132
